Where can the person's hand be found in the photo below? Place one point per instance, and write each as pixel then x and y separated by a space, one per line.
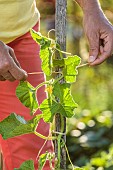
pixel 99 32
pixel 9 66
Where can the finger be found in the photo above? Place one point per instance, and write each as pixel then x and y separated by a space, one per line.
pixel 17 73
pixel 101 49
pixel 8 76
pixel 2 78
pixel 93 47
pixel 12 54
pixel 101 59
pixel 106 52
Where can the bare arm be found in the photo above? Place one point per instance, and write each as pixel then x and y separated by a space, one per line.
pixel 98 30
pixel 86 4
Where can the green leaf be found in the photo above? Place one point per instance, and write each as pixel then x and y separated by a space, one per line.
pixel 26 93
pixel 67 103
pixel 43 41
pixel 15 125
pixel 46 51
pixel 27 165
pixel 69 70
pixel 49 108
pixel 65 106
pixel 46 57
pixel 42 160
pixel 59 63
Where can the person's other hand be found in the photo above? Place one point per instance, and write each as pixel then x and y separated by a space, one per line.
pixel 9 66
pixel 99 32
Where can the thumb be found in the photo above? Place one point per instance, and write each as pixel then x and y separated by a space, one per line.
pixel 93 49
pixel 91 58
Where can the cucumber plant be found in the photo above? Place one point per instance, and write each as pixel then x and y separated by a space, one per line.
pixel 15 125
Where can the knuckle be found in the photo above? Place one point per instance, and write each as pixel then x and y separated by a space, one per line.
pixel 5 66
pixel 2 44
pixel 94 45
pixel 94 48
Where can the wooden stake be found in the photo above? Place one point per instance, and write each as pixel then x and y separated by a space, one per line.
pixel 60 27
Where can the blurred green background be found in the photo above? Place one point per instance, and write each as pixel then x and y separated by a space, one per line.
pixel 90 131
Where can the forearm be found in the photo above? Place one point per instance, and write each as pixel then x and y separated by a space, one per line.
pixel 98 30
pixel 89 5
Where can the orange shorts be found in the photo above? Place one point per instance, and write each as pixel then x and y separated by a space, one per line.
pixel 17 150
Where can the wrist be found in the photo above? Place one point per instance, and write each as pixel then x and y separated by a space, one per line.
pixel 89 6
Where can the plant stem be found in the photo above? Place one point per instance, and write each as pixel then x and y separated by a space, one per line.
pixel 44 137
pixel 63 52
pixel 68 155
pixel 59 137
pixel 51 166
pixel 36 73
pixel 58 79
pixel 41 149
pixel 59 154
pixel 54 72
pixel 42 84
pixel 50 31
pixel 58 72
pixel 82 65
pixel 59 133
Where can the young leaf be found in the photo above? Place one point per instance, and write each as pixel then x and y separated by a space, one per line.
pixel 27 165
pixel 46 57
pixel 46 51
pixel 15 125
pixel 42 160
pixel 49 108
pixel 26 93
pixel 43 41
pixel 69 70
pixel 67 103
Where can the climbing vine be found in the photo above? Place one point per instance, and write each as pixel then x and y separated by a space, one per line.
pixel 15 125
